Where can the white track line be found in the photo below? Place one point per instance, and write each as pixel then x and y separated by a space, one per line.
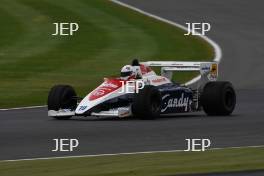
pixel 217 49
pixel 119 154
pixel 19 108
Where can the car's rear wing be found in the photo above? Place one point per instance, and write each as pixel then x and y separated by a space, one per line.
pixel 208 70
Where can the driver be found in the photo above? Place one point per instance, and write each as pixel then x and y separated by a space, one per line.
pixel 127 72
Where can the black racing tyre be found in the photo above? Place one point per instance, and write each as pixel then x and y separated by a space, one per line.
pixel 147 103
pixel 62 97
pixel 218 98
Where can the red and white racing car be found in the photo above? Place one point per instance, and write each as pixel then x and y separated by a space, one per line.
pixel 141 93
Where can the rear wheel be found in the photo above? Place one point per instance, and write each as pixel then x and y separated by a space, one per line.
pixel 147 103
pixel 218 98
pixel 62 97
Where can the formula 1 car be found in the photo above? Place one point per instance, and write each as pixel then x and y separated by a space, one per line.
pixel 140 92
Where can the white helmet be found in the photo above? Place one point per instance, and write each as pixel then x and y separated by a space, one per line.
pixel 126 72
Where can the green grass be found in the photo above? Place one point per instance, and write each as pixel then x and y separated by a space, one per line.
pixel 32 60
pixel 157 164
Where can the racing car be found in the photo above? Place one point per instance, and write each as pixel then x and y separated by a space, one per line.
pixel 141 93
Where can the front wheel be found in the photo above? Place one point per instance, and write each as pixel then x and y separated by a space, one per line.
pixel 62 97
pixel 218 98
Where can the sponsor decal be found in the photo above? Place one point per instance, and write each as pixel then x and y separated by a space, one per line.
pixel 123 111
pixel 99 92
pixel 205 68
pixel 82 108
pixel 110 85
pixel 176 102
pixel 159 80
pixel 213 70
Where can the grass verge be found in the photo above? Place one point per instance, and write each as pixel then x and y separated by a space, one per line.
pixel 224 160
pixel 32 60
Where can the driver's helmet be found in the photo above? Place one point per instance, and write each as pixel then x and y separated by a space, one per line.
pixel 126 72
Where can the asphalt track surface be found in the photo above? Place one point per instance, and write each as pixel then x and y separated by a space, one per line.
pixel 237 27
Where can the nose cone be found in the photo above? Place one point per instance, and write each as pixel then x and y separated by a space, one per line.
pixel 107 90
pixel 83 106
